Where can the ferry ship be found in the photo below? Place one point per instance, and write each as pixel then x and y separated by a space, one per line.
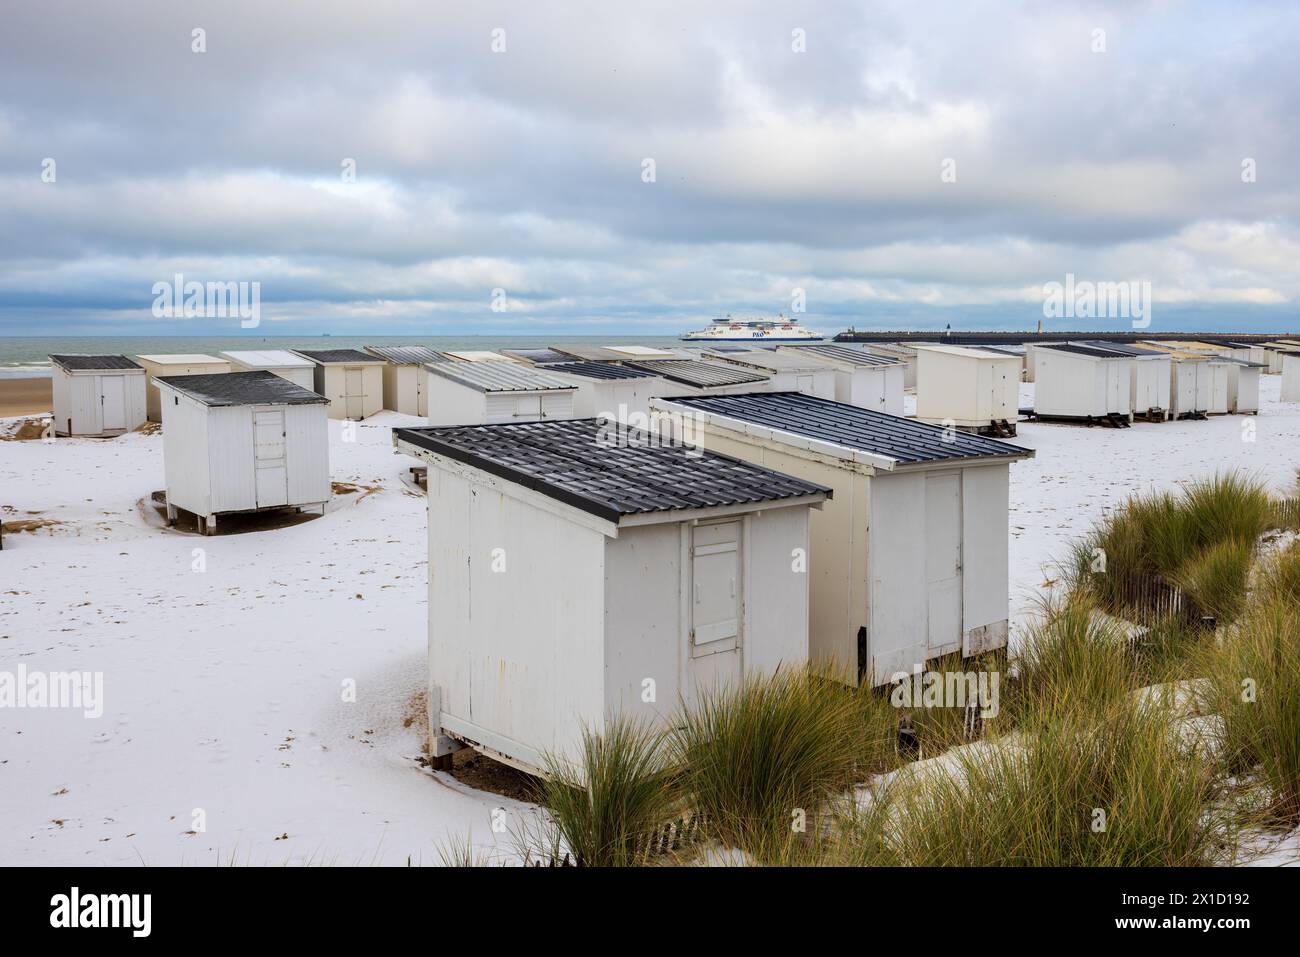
pixel 728 329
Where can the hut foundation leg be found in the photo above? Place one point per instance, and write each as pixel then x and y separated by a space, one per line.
pixel 171 514
pixel 210 525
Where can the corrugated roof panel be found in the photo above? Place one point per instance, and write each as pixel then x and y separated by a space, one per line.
pixel 94 363
pixel 538 357
pixel 182 359
pixel 1122 349
pixel 1080 349
pixel 843 354
pixel 337 356
pixel 242 388
pixel 406 355
pixel 770 360
pixel 906 441
pixel 702 374
pixel 503 376
pixel 268 359
pixel 599 370
pixel 586 464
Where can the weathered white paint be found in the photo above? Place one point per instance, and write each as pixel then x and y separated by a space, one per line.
pixel 355 389
pixel 1290 376
pixel 871 546
pixel 157 366
pixel 101 402
pixel 454 403
pixel 622 400
pixel 1073 385
pixel 216 459
pixel 404 388
pixel 967 387
pixel 1243 388
pixel 544 620
pixel 878 387
pixel 904 354
pixel 1150 384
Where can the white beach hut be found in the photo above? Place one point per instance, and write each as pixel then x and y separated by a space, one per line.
pixel 909 558
pixel 475 393
pixel 896 350
pixel 1087 383
pixel 1277 350
pixel 610 390
pixel 1243 386
pixel 790 371
pixel 405 379
pixel 1290 376
pixel 97 395
pixel 569 575
pixel 968 388
pixel 286 364
pixel 1189 381
pixel 862 378
pixel 157 366
pixel 1150 381
pixel 242 442
pixel 351 380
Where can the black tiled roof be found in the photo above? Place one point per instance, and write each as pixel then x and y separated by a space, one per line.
pixel 80 363
pixel 327 356
pixel 697 373
pixel 606 470
pixel 242 388
pixel 599 370
pixel 406 355
pixel 906 441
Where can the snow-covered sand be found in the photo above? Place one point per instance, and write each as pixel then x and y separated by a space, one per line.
pixel 223 688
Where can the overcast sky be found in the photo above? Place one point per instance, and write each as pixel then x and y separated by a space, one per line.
pixel 775 169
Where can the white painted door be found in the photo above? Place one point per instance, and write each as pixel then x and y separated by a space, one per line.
pixel 269 458
pixel 804 384
pixel 354 387
pixel 943 561
pixel 528 407
pixel 716 604
pixel 421 401
pixel 112 399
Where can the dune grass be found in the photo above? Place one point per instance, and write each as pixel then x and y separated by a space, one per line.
pixel 1253 684
pixel 1072 661
pixel 1118 789
pixel 603 810
pixel 762 759
pixel 1200 540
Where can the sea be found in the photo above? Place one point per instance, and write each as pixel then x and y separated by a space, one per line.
pixel 22 357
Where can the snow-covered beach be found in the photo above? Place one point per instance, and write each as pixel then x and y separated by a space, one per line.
pixel 228 733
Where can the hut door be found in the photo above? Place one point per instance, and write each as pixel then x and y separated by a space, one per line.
pixel 715 603
pixel 943 561
pixel 354 388
pixel 112 396
pixel 421 402
pixel 269 460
